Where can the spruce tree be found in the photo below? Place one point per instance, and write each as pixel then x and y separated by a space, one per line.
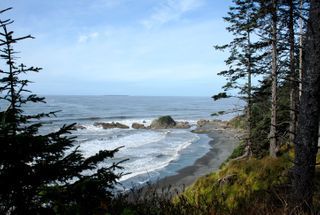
pixel 290 11
pixel 42 173
pixel 273 31
pixel 245 57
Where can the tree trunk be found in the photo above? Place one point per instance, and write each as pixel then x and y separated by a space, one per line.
pixel 293 79
pixel 306 141
pixel 300 49
pixel 249 114
pixel 274 148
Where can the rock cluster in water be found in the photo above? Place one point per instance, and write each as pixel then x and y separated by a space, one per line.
pixel 106 125
pixel 166 122
pixel 163 122
pixel 138 126
pixel 206 126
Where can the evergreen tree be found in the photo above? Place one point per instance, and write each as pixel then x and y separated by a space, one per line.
pixel 289 14
pixel 245 58
pixel 37 174
pixel 276 27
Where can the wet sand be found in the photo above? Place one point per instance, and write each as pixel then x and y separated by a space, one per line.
pixel 224 140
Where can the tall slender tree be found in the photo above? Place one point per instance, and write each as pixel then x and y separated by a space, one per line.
pixel 293 74
pixel 274 147
pixel 244 58
pixel 300 47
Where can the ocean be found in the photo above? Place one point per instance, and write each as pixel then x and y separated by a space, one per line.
pixel 152 154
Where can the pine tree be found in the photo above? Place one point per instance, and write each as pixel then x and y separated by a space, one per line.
pixel 273 31
pixel 245 58
pixel 290 11
pixel 37 174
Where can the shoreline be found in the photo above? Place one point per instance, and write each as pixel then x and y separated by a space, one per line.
pixel 223 141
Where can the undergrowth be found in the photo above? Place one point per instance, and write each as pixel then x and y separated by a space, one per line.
pixel 248 186
pixel 238 183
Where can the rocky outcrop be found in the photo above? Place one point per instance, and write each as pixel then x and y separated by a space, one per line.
pixel 202 122
pixel 105 125
pixel 183 125
pixel 166 122
pixel 163 122
pixel 138 126
pixel 206 126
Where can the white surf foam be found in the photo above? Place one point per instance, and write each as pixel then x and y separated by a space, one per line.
pixel 148 151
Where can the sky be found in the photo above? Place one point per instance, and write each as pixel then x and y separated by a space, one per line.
pixel 122 47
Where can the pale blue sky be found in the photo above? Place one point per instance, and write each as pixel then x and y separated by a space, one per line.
pixel 131 47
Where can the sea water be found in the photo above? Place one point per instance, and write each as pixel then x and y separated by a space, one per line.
pixel 151 154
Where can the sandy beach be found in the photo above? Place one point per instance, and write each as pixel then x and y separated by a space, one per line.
pixel 224 140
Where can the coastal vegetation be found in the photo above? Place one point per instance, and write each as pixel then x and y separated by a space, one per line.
pixel 43 173
pixel 284 98
pixel 273 65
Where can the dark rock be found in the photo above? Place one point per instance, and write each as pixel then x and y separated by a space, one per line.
pixel 105 125
pixel 138 126
pixel 163 122
pixel 119 125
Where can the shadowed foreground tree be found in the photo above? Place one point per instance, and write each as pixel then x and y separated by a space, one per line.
pixel 42 173
pixel 306 141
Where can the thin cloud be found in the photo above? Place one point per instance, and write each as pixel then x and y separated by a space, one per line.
pixel 87 37
pixel 171 10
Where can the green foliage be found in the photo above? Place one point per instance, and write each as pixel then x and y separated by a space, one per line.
pixel 238 151
pixel 220 96
pixel 252 186
pixel 152 200
pixel 238 183
pixel 238 122
pixel 261 117
pixel 42 173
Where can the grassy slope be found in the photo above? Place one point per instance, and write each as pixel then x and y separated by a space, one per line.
pixel 247 186
pixel 250 186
